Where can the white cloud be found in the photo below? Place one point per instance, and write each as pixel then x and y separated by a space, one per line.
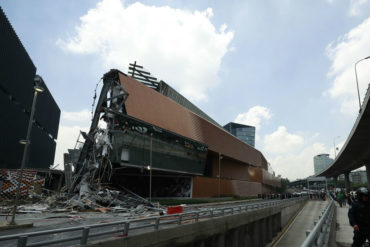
pixel 355 7
pixel 182 46
pixel 81 116
pixel 71 123
pixel 339 147
pixel 67 138
pixel 344 53
pixel 254 116
pixel 291 155
pixel 298 164
pixel 281 141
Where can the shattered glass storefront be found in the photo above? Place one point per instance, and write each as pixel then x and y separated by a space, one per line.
pixel 162 151
pixel 173 160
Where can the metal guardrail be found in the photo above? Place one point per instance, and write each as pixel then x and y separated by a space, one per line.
pixel 319 235
pixel 123 227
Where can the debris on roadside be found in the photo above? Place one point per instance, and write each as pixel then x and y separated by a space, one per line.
pixel 87 170
pixel 104 201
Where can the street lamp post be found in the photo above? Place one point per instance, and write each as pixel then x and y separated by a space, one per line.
pixel 150 168
pixel 308 187
pixel 219 174
pixel 335 148
pixel 358 90
pixel 27 142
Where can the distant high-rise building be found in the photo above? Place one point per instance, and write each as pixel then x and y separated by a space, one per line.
pixel 358 177
pixel 245 133
pixel 321 162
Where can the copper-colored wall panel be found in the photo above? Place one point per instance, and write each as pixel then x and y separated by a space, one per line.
pixel 152 107
pixel 263 162
pixel 230 169
pixel 208 187
pixel 255 174
pixel 243 188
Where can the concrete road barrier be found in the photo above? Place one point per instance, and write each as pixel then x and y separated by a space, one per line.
pixel 255 227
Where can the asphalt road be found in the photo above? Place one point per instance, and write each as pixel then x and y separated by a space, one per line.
pixel 296 234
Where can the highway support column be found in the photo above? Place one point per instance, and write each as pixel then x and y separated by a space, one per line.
pixel 368 175
pixel 335 182
pixel 347 182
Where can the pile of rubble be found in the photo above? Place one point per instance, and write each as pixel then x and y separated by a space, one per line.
pixel 88 166
pixel 106 200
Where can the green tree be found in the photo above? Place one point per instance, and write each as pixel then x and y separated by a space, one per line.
pixel 284 185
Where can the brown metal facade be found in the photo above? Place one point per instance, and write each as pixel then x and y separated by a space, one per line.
pixel 242 169
pixel 230 169
pixel 152 107
pixel 208 187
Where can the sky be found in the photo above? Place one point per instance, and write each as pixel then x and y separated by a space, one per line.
pixel 284 66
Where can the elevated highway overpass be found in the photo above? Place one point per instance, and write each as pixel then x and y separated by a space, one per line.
pixel 356 151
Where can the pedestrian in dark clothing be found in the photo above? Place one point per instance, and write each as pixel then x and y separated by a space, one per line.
pixel 359 217
pixel 344 201
pixel 340 198
pixel 351 198
pixel 333 196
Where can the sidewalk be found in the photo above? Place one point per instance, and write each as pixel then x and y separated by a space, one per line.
pixel 344 233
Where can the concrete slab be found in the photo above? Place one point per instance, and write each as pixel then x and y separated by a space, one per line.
pixel 16 226
pixel 344 233
pixel 296 233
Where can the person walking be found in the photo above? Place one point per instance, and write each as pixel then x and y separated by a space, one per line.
pixel 344 200
pixel 340 198
pixel 351 198
pixel 359 217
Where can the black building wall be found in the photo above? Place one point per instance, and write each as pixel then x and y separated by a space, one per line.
pixel 17 73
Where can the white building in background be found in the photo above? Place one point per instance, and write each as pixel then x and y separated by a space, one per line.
pixel 321 162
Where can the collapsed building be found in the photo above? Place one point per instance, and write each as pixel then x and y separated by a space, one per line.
pixel 157 143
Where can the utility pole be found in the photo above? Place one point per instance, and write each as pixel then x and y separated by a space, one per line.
pixel 219 174
pixel 335 148
pixel 150 167
pixel 358 89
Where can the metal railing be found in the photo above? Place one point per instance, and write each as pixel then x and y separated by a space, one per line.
pixel 366 94
pixel 84 233
pixel 319 235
